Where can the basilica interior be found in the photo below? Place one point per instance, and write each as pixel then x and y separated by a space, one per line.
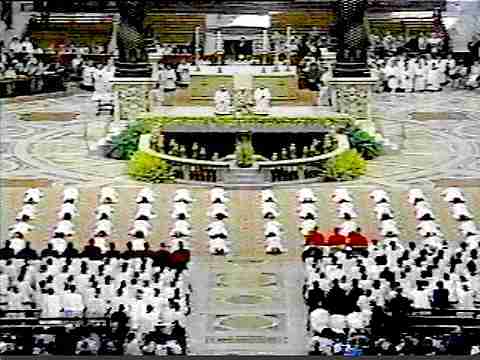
pixel 218 177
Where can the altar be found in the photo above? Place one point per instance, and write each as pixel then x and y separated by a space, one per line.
pixel 206 79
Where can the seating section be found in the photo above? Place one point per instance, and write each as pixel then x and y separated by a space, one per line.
pixel 421 288
pixel 150 289
pixel 80 29
pixel 175 28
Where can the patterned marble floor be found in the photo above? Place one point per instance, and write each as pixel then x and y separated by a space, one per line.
pixel 247 303
pixel 433 149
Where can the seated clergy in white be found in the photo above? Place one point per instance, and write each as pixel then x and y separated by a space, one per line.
pixel 270 210
pixel 341 195
pixel 388 228
pixel 468 228
pixel 64 228
pixel 70 195
pixel 218 211
pixel 307 226
pixel 145 195
pixel 20 229
pixel 218 195
pixel 306 195
pixel 32 196
pixel 183 195
pixel 223 101
pixel 380 196
pixel 319 319
pixel 383 211
pixel 460 212
pixel 268 196
pixel 423 211
pixel 273 245
pixel 140 228
pixel 58 243
pixel 347 227
pixel 144 212
pixel 346 211
pixel 27 213
pixel 453 195
pixel 67 212
pixel 180 211
pixel 104 212
pixel 72 302
pixel 108 195
pixel 415 196
pixel 307 212
pixel 263 99
pixel 103 228
pixel 217 246
pixel 428 228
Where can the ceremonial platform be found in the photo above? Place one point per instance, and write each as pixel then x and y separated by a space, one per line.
pixel 206 80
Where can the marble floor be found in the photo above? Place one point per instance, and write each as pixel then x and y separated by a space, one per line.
pixel 248 302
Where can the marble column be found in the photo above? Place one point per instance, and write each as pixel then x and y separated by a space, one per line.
pixel 353 96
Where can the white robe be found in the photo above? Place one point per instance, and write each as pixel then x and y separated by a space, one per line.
pixel 223 102
pixel 262 100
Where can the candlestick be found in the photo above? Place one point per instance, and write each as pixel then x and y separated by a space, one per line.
pixel 265 41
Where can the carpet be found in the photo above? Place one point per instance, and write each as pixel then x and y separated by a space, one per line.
pixel 434 116
pixel 48 116
pixel 25 183
pixel 462 183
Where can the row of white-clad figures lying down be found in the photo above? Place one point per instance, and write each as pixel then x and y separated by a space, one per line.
pixel 219 242
pixel 273 229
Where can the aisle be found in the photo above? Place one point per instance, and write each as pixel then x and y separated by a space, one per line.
pixel 248 303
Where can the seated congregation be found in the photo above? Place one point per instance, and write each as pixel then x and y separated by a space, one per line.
pixel 145 294
pixel 363 301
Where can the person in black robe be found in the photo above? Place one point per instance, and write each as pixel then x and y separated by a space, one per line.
pixel 27 252
pixel 7 252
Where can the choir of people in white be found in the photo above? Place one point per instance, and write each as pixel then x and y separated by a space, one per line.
pixel 342 288
pixel 422 73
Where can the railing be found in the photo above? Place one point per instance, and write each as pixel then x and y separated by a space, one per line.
pixel 300 169
pixel 273 171
pixel 188 169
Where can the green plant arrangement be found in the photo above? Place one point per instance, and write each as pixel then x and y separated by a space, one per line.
pixel 148 168
pixel 246 121
pixel 365 144
pixel 346 166
pixel 126 143
pixel 244 154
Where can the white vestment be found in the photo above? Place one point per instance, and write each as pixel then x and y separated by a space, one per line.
pixel 262 101
pixel 223 102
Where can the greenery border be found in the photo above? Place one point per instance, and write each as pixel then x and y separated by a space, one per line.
pixel 340 121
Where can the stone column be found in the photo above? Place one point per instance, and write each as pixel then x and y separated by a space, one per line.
pixel 131 97
pixel 133 80
pixel 352 83
pixel 353 96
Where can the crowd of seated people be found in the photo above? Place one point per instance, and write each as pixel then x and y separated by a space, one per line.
pixel 144 292
pixel 360 301
pixel 23 72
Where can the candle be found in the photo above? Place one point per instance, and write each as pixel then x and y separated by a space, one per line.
pixel 197 37
pixel 219 41
pixel 265 41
